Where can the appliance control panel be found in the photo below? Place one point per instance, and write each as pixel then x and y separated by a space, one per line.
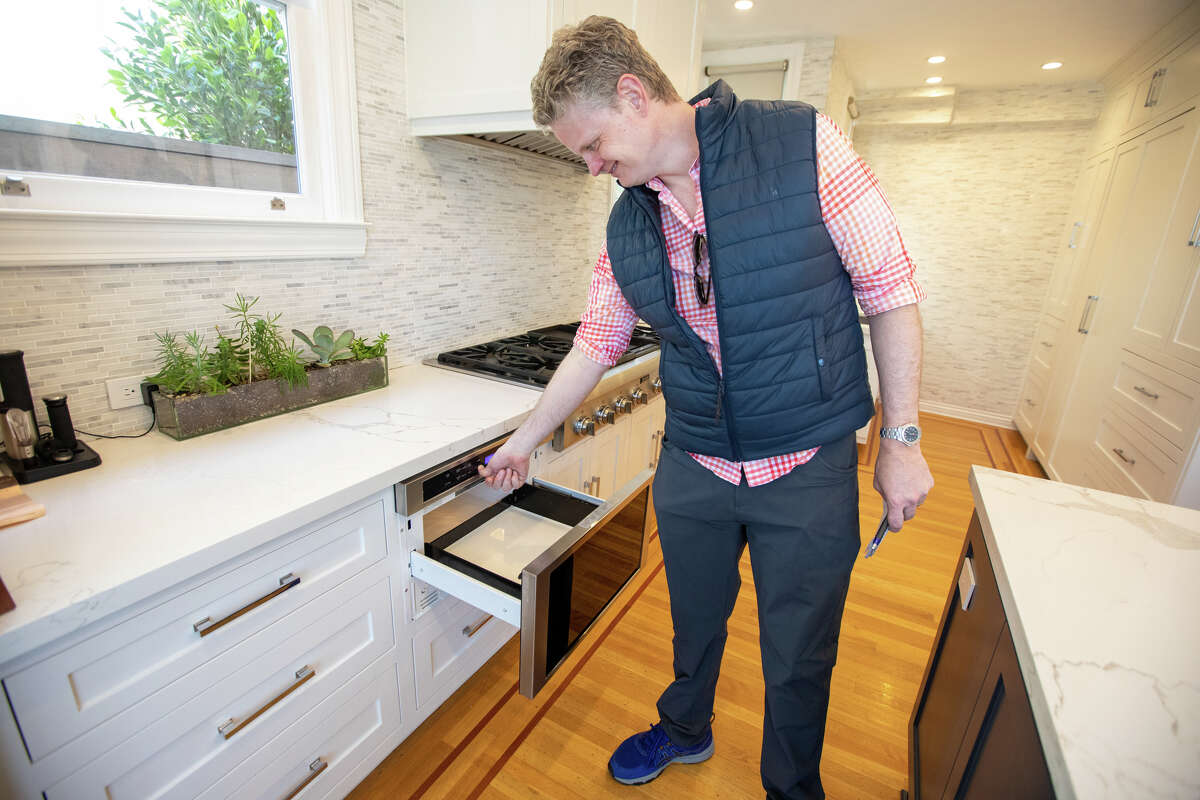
pixel 611 400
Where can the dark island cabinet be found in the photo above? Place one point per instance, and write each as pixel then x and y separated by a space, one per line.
pixel 972 733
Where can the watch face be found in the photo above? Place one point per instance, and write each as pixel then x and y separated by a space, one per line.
pixel 911 434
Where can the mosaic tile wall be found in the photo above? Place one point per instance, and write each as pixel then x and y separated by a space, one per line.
pixel 465 243
pixel 981 203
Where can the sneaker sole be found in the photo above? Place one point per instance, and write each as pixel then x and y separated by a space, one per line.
pixel 694 758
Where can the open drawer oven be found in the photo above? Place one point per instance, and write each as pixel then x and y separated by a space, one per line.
pixel 544 558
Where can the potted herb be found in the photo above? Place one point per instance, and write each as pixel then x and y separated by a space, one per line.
pixel 256 373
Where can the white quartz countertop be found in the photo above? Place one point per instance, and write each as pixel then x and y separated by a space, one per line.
pixel 1102 595
pixel 158 511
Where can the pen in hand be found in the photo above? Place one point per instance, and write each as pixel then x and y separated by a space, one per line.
pixel 879 532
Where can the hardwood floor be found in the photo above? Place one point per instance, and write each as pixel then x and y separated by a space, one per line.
pixel 489 742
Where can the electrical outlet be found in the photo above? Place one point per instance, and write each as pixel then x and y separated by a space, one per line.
pixel 124 392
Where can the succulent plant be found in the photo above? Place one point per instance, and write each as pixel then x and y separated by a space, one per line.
pixel 325 346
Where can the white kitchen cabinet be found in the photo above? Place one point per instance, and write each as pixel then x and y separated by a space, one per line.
pixel 1121 380
pixel 134 706
pixel 470 62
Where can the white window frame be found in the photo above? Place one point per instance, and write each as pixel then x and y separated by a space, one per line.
pixel 82 220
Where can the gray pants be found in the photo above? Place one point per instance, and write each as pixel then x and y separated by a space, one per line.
pixel 802 530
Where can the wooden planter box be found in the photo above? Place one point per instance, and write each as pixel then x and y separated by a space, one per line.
pixel 185 416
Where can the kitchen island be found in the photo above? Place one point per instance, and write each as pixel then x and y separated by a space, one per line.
pixel 1067 659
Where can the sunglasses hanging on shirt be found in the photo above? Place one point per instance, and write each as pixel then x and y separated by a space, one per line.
pixel 703 284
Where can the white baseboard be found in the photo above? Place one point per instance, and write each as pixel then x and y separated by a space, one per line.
pixel 970 414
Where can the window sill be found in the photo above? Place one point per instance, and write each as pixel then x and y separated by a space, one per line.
pixel 54 238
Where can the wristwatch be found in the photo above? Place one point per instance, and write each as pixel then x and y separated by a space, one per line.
pixel 909 433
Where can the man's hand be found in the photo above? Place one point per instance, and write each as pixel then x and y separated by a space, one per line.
pixel 506 470
pixel 902 477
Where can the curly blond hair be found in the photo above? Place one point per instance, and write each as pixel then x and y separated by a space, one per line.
pixel 583 64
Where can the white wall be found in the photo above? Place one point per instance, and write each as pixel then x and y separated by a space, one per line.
pixel 465 243
pixel 981 199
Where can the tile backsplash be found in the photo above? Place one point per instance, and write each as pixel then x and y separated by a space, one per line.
pixel 465 242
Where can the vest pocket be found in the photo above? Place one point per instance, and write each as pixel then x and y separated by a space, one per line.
pixel 821 363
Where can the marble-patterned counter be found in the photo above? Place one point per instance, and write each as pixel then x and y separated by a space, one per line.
pixel 1102 597
pixel 158 511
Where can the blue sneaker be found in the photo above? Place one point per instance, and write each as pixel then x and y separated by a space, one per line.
pixel 642 757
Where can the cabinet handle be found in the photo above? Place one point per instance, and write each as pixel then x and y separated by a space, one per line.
pixel 1155 85
pixel 1085 322
pixel 1075 229
pixel 1030 402
pixel 1192 241
pixel 471 630
pixel 1143 390
pixel 1121 455
pixel 232 726
pixel 206 626
pixel 596 480
pixel 1047 344
pixel 314 769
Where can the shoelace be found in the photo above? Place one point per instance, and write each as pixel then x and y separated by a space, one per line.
pixel 656 741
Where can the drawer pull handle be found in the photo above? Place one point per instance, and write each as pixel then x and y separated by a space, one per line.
pixel 1030 402
pixel 314 769
pixel 1121 455
pixel 206 626
pixel 471 630
pixel 232 726
pixel 1084 321
pixel 1075 229
pixel 1047 344
pixel 1144 391
pixel 1192 242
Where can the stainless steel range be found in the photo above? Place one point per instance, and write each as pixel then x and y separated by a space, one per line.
pixel 531 358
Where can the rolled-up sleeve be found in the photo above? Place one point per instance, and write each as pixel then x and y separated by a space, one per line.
pixel 608 321
pixel 863 226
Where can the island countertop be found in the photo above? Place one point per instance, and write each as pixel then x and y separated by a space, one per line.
pixel 1102 597
pixel 158 511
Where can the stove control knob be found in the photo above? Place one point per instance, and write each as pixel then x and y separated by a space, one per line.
pixel 584 427
pixel 623 405
pixel 656 385
pixel 604 415
pixel 639 397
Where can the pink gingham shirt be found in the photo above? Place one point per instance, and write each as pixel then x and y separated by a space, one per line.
pixel 862 226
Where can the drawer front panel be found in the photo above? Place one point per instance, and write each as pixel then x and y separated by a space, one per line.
pixel 320 750
pixel 443 648
pixel 1158 397
pixel 1029 407
pixel 61 697
pixel 1045 342
pixel 1135 458
pixel 186 750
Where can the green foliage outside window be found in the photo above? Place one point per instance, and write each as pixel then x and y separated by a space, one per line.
pixel 210 71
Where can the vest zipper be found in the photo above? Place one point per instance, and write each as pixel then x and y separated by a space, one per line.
pixel 720 394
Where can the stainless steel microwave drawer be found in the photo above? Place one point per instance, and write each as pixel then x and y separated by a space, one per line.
pixel 544 558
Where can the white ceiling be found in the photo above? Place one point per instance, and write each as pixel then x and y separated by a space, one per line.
pixel 986 42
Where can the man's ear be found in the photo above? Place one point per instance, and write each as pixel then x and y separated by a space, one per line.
pixel 633 94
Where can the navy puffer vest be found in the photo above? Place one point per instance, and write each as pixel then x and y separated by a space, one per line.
pixel 795 372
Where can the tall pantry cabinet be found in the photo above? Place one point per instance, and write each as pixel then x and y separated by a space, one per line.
pixel 1111 397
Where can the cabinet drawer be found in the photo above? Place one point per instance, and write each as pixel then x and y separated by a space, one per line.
pixel 1163 400
pixel 1045 342
pixel 450 644
pixel 1135 457
pixel 1181 80
pixel 292 666
pixel 1029 407
pixel 58 699
pixel 311 758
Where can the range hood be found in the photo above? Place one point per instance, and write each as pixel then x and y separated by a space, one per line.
pixel 543 144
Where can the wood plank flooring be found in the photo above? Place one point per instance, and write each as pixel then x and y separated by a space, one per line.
pixel 489 742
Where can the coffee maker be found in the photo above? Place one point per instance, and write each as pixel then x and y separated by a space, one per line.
pixel 30 455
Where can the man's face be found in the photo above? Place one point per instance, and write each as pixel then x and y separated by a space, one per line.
pixel 613 140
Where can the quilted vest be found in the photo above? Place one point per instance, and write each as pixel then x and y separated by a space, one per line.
pixel 795 371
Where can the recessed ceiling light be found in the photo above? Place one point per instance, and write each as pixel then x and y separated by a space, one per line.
pixel 934 79
pixel 744 5
pixel 1052 65
pixel 936 59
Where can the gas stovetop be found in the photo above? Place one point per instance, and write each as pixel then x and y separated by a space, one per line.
pixel 531 358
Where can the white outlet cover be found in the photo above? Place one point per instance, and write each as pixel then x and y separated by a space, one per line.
pixel 124 392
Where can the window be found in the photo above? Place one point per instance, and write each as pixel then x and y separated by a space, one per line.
pixel 178 130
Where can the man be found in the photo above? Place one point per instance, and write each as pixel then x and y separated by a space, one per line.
pixel 747 232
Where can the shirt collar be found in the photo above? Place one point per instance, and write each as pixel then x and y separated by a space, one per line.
pixel 656 183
